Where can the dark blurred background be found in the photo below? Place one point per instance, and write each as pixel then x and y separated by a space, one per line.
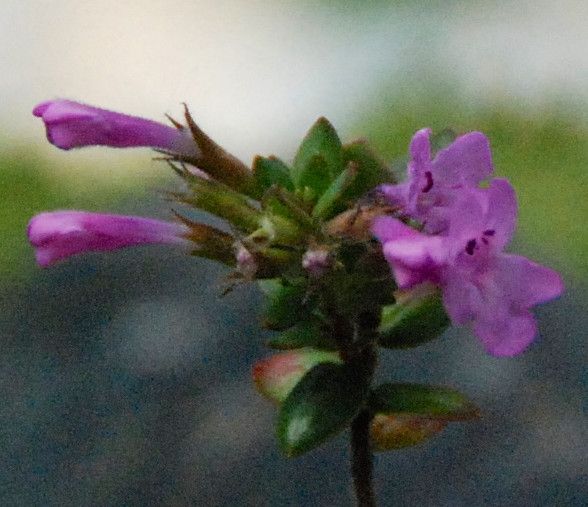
pixel 125 378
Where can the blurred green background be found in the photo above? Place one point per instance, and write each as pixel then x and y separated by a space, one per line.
pixel 125 377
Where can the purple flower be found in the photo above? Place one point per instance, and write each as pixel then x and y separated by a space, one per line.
pixel 71 125
pixel 480 283
pixel 59 234
pixel 433 185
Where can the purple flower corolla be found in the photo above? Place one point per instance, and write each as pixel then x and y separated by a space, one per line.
pixel 57 235
pixel 70 124
pixel 480 283
pixel 432 185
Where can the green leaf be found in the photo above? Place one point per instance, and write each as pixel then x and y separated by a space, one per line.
pixel 330 202
pixel 285 303
pixel 323 403
pixel 413 322
pixel 422 400
pixel 319 159
pixel 371 171
pixel 276 376
pixel 309 333
pixel 269 171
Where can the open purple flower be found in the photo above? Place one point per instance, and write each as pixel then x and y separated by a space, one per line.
pixel 480 283
pixel 433 185
pixel 70 124
pixel 60 234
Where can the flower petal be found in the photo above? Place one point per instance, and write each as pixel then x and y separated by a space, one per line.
pixel 420 147
pixel 524 282
pixel 501 215
pixel 506 336
pixel 467 160
pixel 461 298
pixel 71 124
pixel 61 234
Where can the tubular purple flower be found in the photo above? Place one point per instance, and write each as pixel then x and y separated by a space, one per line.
pixel 70 124
pixel 433 185
pixel 58 235
pixel 481 284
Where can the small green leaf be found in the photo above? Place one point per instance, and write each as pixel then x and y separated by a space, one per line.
pixel 285 304
pixel 319 159
pixel 412 322
pixel 269 171
pixel 309 333
pixel 330 202
pixel 323 403
pixel 422 400
pixel 371 171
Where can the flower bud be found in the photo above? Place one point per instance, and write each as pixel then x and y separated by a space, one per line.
pixel 276 376
pixel 389 432
pixel 60 234
pixel 317 261
pixel 70 124
pixel 246 263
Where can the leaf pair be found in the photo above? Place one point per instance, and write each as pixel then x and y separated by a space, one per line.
pixel 319 396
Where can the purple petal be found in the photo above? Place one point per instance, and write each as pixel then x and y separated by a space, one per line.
pixel 461 298
pixel 501 215
pixel 467 160
pixel 395 194
pixel 466 216
pixel 61 234
pixel 506 336
pixel 420 147
pixel 524 282
pixel 70 124
pixel 414 257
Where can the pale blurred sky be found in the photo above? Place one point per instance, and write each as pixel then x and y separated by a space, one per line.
pixel 256 73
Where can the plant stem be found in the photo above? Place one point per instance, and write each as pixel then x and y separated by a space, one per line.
pixel 361 459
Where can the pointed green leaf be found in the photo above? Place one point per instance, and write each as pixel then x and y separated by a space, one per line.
pixel 371 171
pixel 422 400
pixel 309 333
pixel 319 159
pixel 323 403
pixel 270 171
pixel 330 202
pixel 286 303
pixel 413 322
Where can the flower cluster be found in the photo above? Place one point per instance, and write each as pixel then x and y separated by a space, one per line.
pixel 320 236
pixel 464 228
